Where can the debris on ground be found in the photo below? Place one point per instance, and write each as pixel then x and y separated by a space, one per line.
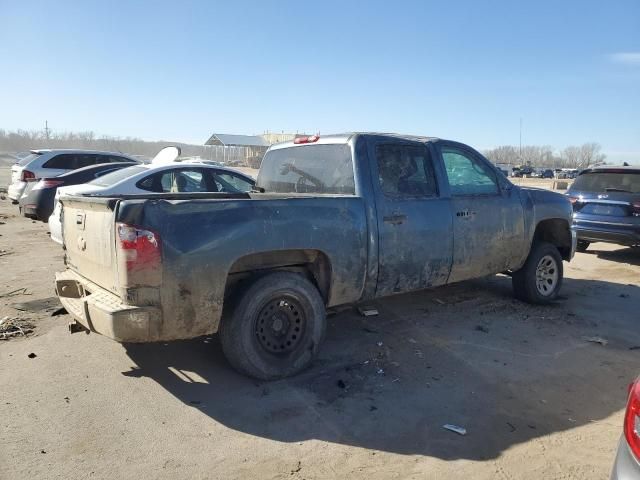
pixel 413 340
pixel 437 300
pixel 48 304
pixel 380 371
pixel 379 344
pixel 13 327
pixel 368 311
pixel 5 252
pixel 482 328
pixel 17 291
pixel 341 384
pixel 511 427
pixel 455 429
pixel 32 355
pixel 635 347
pixel 598 340
pixel 624 295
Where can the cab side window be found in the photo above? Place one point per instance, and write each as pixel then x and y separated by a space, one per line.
pixel 405 171
pixel 468 175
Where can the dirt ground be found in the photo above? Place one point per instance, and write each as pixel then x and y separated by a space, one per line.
pixel 536 398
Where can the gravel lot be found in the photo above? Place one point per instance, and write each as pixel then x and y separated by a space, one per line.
pixel 536 398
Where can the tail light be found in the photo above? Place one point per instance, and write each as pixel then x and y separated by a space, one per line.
pixel 310 139
pixel 27 176
pixel 48 183
pixel 140 249
pixel 632 419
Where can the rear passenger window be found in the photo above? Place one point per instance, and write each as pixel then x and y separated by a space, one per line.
pixel 405 171
pixel 64 161
pixel 85 160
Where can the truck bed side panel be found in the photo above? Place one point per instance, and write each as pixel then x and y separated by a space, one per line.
pixel 202 239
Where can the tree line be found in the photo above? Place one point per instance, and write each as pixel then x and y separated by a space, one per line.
pixel 23 140
pixel 578 156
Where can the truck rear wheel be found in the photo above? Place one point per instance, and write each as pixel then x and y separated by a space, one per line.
pixel 540 278
pixel 275 327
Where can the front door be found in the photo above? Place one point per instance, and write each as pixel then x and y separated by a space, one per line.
pixel 414 220
pixel 486 219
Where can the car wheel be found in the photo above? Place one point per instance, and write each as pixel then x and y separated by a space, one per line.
pixel 274 328
pixel 582 245
pixel 540 278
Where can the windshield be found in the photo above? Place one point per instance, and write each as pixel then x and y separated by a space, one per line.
pixel 320 169
pixel 117 176
pixel 598 182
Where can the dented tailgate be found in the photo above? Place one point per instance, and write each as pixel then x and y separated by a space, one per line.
pixel 88 226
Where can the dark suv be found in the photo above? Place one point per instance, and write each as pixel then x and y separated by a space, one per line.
pixel 606 206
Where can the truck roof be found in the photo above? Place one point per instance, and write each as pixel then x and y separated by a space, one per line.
pixel 337 138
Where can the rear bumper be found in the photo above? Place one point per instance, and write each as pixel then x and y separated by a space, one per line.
pixel 102 312
pixel 611 232
pixel 625 465
pixel 14 191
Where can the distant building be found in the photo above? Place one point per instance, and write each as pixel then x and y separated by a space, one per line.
pixel 244 150
pixel 273 137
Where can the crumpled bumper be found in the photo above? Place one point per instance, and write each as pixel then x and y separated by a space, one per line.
pixel 100 311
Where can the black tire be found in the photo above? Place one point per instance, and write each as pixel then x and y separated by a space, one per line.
pixel 249 331
pixel 582 246
pixel 526 284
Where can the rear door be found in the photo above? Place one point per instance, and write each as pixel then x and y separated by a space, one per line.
pixel 488 223
pixel 414 219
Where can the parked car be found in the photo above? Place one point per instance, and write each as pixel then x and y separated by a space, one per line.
pixel 606 204
pixel 547 173
pixel 627 462
pixel 175 177
pixel 52 163
pixel 335 220
pixel 38 199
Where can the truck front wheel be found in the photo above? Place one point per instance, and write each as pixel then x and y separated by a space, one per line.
pixel 540 278
pixel 274 328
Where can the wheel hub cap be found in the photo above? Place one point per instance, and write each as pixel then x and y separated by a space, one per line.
pixel 546 275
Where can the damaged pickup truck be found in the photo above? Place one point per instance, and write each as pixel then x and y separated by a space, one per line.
pixel 334 220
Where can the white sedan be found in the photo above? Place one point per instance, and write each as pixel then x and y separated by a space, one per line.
pixel 176 177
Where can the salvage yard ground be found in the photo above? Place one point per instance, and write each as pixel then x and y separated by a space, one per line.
pixel 537 396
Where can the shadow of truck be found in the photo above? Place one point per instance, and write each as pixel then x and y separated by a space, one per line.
pixel 467 354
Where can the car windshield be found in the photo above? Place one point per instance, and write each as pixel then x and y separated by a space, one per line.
pixel 598 182
pixel 319 169
pixel 117 176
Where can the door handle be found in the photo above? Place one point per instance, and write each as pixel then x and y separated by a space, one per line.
pixel 394 219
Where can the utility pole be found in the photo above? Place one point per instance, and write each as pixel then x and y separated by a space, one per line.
pixel 520 138
pixel 46 129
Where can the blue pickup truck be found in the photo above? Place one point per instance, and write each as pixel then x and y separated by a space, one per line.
pixel 334 220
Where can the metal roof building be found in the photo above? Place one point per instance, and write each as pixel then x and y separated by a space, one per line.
pixel 246 150
pixel 224 140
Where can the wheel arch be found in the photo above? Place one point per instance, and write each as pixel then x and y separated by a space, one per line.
pixel 557 232
pixel 311 263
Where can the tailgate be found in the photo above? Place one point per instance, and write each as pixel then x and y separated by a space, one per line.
pixel 88 229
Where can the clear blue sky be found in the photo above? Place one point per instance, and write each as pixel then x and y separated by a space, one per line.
pixel 463 70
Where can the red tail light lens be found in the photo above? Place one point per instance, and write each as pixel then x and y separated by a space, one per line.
pixel 141 250
pixel 310 139
pixel 27 176
pixel 47 183
pixel 632 419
